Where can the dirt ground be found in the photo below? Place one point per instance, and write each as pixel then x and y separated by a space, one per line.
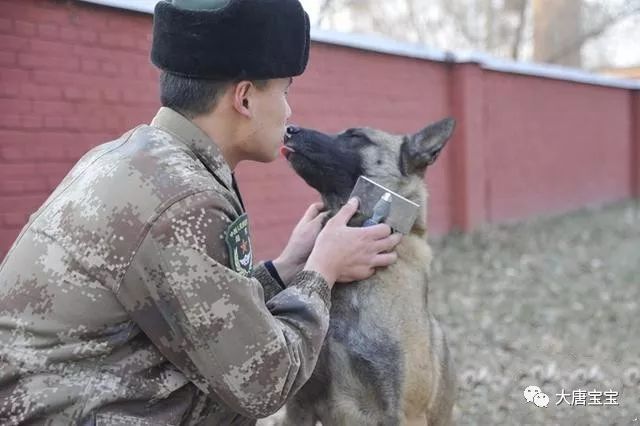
pixel 554 303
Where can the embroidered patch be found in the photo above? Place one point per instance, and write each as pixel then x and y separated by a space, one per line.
pixel 239 245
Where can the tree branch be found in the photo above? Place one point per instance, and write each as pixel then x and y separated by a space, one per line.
pixel 517 42
pixel 593 33
pixel 324 11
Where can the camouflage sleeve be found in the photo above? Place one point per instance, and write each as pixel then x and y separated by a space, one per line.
pixel 211 322
pixel 270 285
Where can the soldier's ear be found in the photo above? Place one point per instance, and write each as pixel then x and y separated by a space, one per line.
pixel 423 148
pixel 241 93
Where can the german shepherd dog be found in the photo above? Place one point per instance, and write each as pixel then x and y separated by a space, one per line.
pixel 385 359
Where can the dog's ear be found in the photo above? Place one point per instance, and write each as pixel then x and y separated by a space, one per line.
pixel 422 149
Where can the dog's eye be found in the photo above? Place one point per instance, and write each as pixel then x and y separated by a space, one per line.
pixel 351 133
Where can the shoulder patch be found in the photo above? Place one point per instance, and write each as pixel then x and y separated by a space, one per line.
pixel 239 245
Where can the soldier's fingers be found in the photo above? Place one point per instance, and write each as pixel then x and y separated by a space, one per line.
pixel 320 217
pixel 312 211
pixel 387 244
pixel 379 231
pixel 346 212
pixel 369 273
pixel 385 259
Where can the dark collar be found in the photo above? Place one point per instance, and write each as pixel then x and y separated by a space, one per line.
pixel 200 144
pixel 197 141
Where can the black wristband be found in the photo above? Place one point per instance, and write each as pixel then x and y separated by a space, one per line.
pixel 274 273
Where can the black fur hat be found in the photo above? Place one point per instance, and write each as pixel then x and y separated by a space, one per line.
pixel 252 39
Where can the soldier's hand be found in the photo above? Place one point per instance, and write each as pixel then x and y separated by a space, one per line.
pixel 345 254
pixel 301 242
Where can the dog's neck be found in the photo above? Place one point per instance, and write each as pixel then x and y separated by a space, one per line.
pixel 420 196
pixel 416 192
pixel 420 226
pixel 418 229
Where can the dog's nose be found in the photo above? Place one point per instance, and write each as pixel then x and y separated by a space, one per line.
pixel 292 130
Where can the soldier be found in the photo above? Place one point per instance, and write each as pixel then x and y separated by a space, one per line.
pixel 130 297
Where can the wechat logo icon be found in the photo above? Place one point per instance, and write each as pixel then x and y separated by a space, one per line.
pixel 534 394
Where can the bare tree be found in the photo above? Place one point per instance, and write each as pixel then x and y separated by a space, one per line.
pixel 505 28
pixel 600 19
pixel 516 47
pixel 556 25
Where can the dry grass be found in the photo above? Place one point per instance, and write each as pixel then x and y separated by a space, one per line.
pixel 552 302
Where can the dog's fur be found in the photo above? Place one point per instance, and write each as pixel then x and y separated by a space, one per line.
pixel 385 359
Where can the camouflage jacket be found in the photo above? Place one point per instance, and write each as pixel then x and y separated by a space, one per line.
pixel 126 300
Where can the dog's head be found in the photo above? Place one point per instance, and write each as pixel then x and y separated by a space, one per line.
pixel 332 163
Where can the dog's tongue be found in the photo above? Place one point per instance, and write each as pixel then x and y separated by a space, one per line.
pixel 285 151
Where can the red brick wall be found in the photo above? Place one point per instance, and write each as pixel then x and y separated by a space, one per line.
pixel 565 145
pixel 73 75
pixel 634 158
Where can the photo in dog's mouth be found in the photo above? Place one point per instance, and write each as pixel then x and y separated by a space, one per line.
pixel 402 213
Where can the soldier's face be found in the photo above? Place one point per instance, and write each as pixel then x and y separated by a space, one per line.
pixel 270 113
